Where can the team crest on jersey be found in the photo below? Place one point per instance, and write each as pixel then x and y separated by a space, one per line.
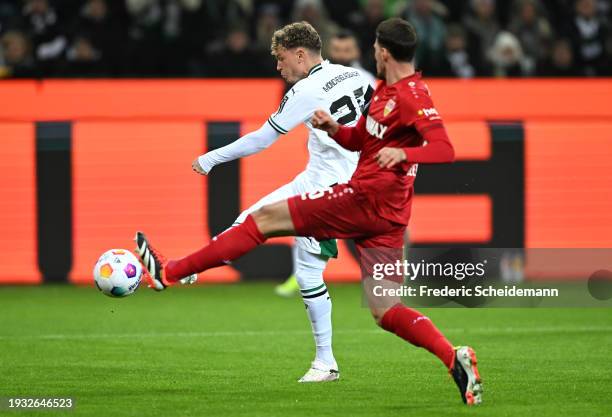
pixel 389 107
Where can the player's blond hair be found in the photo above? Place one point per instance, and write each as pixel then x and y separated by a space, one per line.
pixel 296 35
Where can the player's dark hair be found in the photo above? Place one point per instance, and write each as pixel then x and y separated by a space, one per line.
pixel 296 35
pixel 344 34
pixel 399 37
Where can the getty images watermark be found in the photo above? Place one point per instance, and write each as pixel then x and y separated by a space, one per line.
pixel 436 270
pixel 487 277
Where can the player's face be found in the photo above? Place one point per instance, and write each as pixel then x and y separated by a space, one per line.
pixel 379 55
pixel 343 51
pixel 289 63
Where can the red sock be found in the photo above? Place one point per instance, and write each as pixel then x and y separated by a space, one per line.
pixel 229 245
pixel 417 329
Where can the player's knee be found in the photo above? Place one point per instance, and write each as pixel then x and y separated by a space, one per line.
pixel 378 313
pixel 264 218
pixel 308 275
pixel 259 216
pixel 309 269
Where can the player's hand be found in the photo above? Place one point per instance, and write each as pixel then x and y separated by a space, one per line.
pixel 389 157
pixel 197 168
pixel 322 120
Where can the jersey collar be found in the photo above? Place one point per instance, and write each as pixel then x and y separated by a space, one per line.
pixel 414 77
pixel 316 68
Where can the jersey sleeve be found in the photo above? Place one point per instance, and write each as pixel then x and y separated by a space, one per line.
pixel 419 111
pixel 249 144
pixel 351 138
pixel 297 106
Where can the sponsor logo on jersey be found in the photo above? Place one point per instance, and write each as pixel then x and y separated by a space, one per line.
pixel 428 112
pixel 389 107
pixel 374 128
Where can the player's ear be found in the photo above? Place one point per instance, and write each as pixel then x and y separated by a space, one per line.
pixel 384 53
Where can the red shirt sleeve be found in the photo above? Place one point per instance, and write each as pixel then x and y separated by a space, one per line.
pixel 351 138
pixel 436 147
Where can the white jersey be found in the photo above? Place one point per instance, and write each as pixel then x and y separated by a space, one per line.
pixel 341 91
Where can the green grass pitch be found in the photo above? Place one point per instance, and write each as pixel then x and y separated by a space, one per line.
pixel 238 350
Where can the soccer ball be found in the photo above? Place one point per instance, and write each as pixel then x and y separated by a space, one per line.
pixel 117 273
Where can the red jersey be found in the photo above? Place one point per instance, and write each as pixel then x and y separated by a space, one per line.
pixel 401 115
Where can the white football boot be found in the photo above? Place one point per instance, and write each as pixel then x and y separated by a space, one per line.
pixel 321 372
pixel 466 376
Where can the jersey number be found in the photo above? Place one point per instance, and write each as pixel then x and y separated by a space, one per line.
pixel 343 101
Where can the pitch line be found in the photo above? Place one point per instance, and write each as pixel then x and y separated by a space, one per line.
pixel 256 333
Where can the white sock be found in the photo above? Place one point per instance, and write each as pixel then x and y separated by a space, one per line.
pixel 309 273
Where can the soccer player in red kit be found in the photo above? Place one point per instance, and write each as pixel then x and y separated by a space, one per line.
pixel 401 130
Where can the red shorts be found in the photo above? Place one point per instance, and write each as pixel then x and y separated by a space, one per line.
pixel 342 212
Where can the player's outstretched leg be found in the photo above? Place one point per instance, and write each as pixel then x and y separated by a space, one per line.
pixel 309 272
pixel 272 220
pixel 154 262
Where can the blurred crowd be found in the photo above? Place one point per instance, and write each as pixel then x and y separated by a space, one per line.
pixel 231 38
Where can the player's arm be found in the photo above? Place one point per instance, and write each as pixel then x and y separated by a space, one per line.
pixel 296 107
pixel 249 144
pixel 437 147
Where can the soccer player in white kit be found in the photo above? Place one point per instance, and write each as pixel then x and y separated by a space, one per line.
pixel 345 92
